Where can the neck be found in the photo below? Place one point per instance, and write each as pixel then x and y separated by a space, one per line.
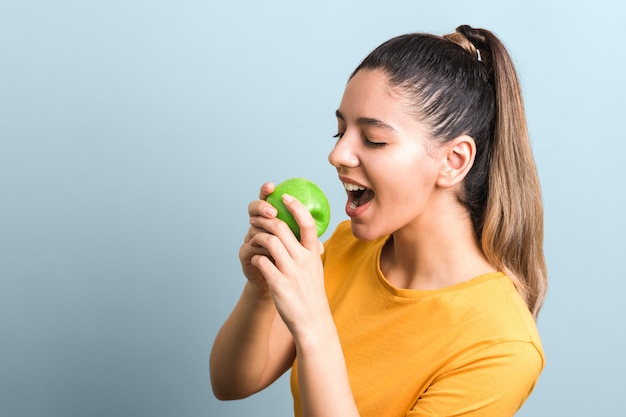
pixel 434 252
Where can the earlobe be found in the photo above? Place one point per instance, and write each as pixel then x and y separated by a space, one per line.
pixel 457 160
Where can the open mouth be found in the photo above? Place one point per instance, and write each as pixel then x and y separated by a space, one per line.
pixel 358 195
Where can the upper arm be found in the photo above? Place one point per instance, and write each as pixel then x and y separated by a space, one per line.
pixel 495 382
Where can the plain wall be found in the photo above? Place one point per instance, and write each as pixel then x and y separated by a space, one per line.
pixel 134 133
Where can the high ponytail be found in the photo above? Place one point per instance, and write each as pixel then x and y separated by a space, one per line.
pixel 465 84
pixel 512 235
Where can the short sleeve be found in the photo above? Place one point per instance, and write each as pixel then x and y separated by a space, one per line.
pixel 494 382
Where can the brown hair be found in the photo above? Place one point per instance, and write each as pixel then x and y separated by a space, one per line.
pixel 465 84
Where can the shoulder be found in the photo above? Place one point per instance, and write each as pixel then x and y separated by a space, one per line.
pixel 493 381
pixel 491 310
pixel 494 353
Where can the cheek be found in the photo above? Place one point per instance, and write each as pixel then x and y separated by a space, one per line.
pixel 411 180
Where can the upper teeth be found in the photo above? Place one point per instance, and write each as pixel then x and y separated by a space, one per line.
pixel 353 187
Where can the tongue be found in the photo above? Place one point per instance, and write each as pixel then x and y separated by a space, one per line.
pixel 363 198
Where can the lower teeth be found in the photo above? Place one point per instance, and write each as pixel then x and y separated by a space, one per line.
pixel 365 196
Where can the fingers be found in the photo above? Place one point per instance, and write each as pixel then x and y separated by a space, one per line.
pixel 273 251
pixel 271 245
pixel 252 231
pixel 266 189
pixel 302 216
pixel 249 249
pixel 271 226
pixel 308 228
pixel 261 207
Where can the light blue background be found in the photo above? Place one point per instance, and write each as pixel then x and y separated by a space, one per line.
pixel 133 134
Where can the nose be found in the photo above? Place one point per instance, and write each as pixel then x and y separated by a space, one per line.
pixel 343 154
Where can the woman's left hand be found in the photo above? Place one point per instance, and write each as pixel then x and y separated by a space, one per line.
pixel 294 274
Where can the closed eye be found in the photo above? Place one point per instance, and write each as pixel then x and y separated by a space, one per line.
pixel 373 144
pixel 367 142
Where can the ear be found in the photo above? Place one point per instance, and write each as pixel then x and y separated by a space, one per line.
pixel 457 159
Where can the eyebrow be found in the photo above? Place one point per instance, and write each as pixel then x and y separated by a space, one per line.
pixel 368 121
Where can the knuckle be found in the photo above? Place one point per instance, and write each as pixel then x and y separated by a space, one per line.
pixel 272 241
pixel 307 222
pixel 251 207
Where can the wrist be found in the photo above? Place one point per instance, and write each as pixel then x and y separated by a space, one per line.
pixel 256 294
pixel 318 336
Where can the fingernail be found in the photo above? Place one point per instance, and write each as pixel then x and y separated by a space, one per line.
pixel 287 198
pixel 270 211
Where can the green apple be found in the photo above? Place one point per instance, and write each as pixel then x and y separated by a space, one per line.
pixel 310 195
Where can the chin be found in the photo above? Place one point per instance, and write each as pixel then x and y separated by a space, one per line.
pixel 365 232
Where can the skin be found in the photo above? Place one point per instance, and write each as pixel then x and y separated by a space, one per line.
pixel 283 310
pixel 382 146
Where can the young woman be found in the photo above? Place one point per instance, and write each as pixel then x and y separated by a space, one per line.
pixel 424 302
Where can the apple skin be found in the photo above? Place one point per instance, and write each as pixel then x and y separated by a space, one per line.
pixel 310 195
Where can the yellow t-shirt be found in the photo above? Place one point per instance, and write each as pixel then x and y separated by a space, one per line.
pixel 471 349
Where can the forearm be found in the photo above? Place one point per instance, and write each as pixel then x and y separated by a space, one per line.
pixel 241 349
pixel 294 274
pixel 322 375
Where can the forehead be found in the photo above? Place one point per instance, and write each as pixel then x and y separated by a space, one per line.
pixel 369 94
pixel 369 84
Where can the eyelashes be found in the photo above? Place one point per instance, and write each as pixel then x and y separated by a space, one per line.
pixel 374 144
pixel 367 141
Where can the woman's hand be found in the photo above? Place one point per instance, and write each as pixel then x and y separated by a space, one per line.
pixel 294 275
pixel 292 269
pixel 254 347
pixel 291 272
